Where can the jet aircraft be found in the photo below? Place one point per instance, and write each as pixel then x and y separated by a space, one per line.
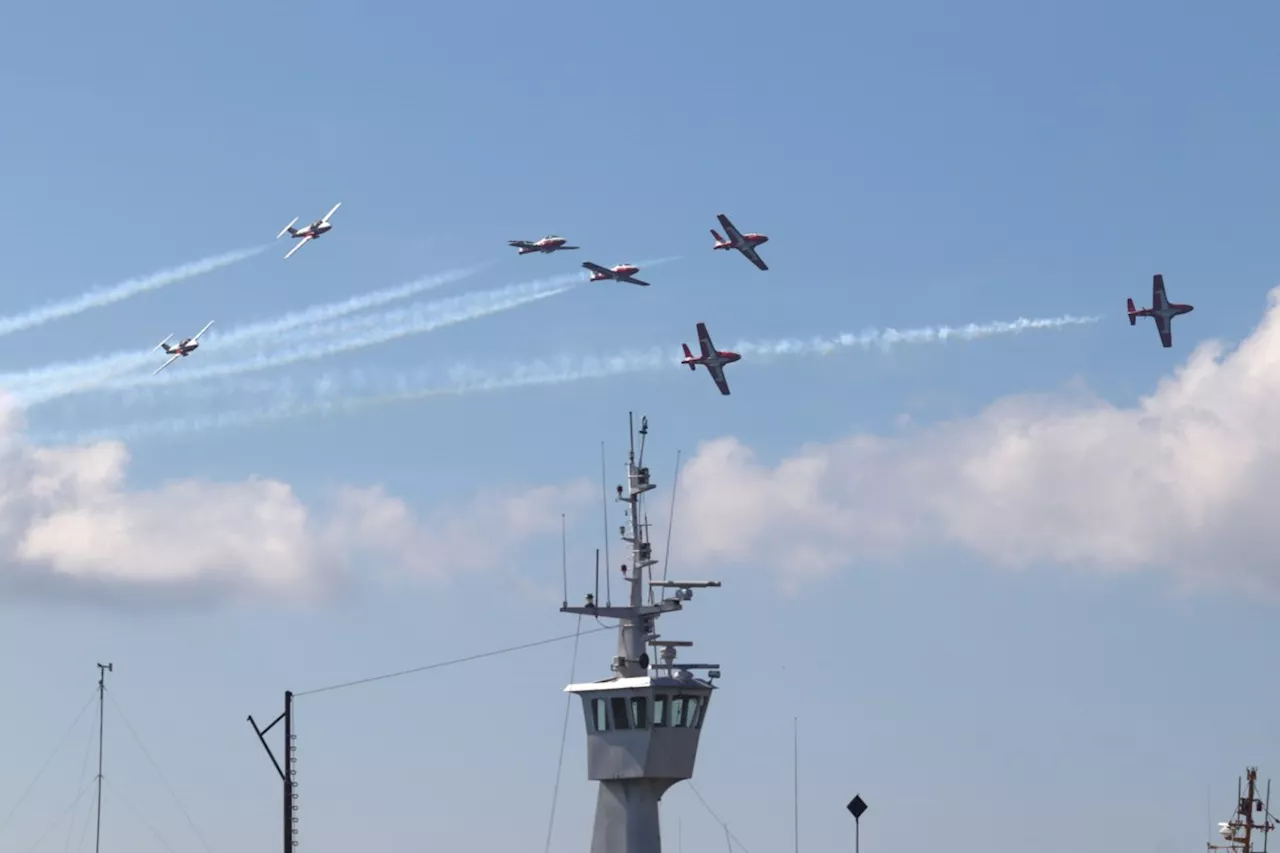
pixel 183 349
pixel 622 272
pixel 546 245
pixel 1161 309
pixel 311 232
pixel 713 359
pixel 744 243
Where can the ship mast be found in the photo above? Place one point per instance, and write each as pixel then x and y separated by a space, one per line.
pixel 1239 832
pixel 644 720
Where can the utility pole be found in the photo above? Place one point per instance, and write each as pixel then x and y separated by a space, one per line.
pixel 103 669
pixel 286 771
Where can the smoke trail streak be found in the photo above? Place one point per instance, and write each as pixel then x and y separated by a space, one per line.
pixel 327 393
pixel 375 330
pixel 58 380
pixel 106 296
pixel 360 332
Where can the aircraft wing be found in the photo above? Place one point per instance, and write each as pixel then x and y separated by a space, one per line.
pixel 717 374
pixel 301 243
pixel 566 248
pixel 629 280
pixel 597 268
pixel 704 341
pixel 521 244
pixel 1159 298
pixel 171 360
pixel 732 233
pixel 1164 326
pixel 332 212
pixel 753 256
pixel 202 331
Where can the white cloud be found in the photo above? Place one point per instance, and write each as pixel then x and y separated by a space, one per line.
pixel 1184 481
pixel 70 524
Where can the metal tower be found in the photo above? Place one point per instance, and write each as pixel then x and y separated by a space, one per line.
pixel 643 722
pixel 1241 832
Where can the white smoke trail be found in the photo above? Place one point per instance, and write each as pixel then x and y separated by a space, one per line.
pixel 886 339
pixel 106 296
pixel 356 333
pixel 360 332
pixel 57 380
pixel 328 394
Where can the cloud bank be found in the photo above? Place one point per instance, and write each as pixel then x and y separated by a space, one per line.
pixel 1183 482
pixel 70 526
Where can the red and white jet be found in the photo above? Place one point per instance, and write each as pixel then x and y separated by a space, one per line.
pixel 744 243
pixel 622 272
pixel 1161 309
pixel 311 232
pixel 183 349
pixel 713 359
pixel 546 245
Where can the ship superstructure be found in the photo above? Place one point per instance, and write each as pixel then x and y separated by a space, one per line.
pixel 1252 818
pixel 643 722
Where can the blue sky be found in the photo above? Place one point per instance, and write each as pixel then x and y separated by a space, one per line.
pixel 992 613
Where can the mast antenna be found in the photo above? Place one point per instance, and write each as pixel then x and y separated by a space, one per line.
pixel 564 557
pixel 103 669
pixel 671 520
pixel 1239 832
pixel 604 507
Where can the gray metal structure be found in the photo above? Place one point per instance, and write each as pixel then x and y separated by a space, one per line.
pixel 643 722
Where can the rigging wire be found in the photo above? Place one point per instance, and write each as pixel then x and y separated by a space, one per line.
pixel 671 521
pixel 84 789
pixel 84 830
pixel 140 816
pixel 716 817
pixel 48 761
pixel 564 736
pixel 445 663
pixel 84 768
pixel 169 785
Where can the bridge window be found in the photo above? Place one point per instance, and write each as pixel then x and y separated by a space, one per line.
pixel 659 710
pixel 639 712
pixel 599 714
pixel 695 711
pixel 620 719
pixel 678 710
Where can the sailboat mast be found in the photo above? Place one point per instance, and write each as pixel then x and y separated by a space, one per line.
pixel 103 669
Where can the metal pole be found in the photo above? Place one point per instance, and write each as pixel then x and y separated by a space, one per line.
pixel 857 835
pixel 103 669
pixel 288 772
pixel 795 782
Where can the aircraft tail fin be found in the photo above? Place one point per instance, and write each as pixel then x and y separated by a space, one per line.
pixel 161 345
pixel 719 239
pixel 1133 310
pixel 688 355
pixel 288 229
